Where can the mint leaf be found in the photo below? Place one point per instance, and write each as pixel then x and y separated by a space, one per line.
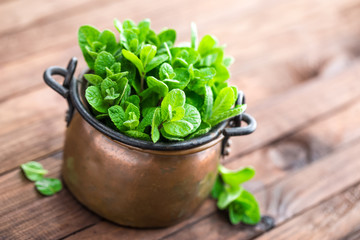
pixel 95 99
pixel 93 79
pixel 147 53
pixel 166 71
pixel 108 39
pixel 206 44
pixel 167 36
pixel 48 186
pixel 228 195
pixel 174 98
pixel 33 171
pixel 147 120
pixel 156 61
pixel 135 60
pixel 203 129
pixel 208 103
pixel 224 101
pixel 117 116
pixel 192 116
pixel 245 209
pixel 218 188
pixel 194 36
pixel 236 177
pixel 103 60
pixel 216 119
pixel 137 134
pixel 86 36
pixel 169 137
pixel 180 128
pixel 144 28
pixel 156 121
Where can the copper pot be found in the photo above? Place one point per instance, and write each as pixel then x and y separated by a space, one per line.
pixel 134 182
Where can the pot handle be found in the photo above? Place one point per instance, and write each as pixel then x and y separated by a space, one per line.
pixel 235 123
pixel 64 89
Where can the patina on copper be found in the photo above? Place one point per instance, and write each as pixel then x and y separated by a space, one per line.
pixel 134 182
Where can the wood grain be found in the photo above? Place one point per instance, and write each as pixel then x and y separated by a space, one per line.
pixel 25 214
pixel 330 220
pixel 288 197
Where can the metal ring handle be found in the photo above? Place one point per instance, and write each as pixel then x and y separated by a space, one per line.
pixel 63 89
pixel 239 131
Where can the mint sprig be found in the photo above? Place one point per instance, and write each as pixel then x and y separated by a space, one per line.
pixel 146 87
pixel 35 172
pixel 231 195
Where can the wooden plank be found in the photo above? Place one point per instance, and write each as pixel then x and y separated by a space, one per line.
pixel 16 15
pixel 336 218
pixel 33 126
pixel 251 67
pixel 288 197
pixel 320 139
pixel 297 107
pixel 26 214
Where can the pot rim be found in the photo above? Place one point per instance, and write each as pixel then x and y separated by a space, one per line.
pixel 71 90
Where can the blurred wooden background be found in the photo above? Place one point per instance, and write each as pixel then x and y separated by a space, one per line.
pixel 298 63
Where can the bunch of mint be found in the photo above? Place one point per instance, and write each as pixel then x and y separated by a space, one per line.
pixel 147 88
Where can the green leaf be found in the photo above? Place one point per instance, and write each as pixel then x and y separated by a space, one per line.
pixel 103 60
pixel 166 71
pixel 153 38
pixel 167 36
pixel 156 121
pixel 144 28
pixel 107 84
pixel 228 61
pixel 222 73
pixel 86 36
pixel 245 209
pixel 118 25
pixel 224 101
pixel 208 103
pixel 236 177
pixel 182 78
pixel 108 39
pixel 117 116
pixel 203 129
pixel 93 79
pixel 169 137
pixel 194 36
pixel 192 116
pixel 135 60
pixel 132 108
pixel 180 128
pixel 147 53
pixel 206 44
pixel 131 123
pixel 134 99
pixel 174 98
pixel 228 195
pixel 137 134
pixel 33 170
pixel 95 99
pixel 218 188
pixel 156 61
pixel 215 119
pixel 147 119
pixel 48 186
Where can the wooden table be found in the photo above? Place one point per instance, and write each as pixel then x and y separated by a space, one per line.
pixel 298 63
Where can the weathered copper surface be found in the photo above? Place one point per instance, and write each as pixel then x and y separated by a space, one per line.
pixel 135 187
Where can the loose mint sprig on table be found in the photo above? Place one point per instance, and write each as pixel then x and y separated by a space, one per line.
pixel 148 88
pixel 231 196
pixel 35 172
